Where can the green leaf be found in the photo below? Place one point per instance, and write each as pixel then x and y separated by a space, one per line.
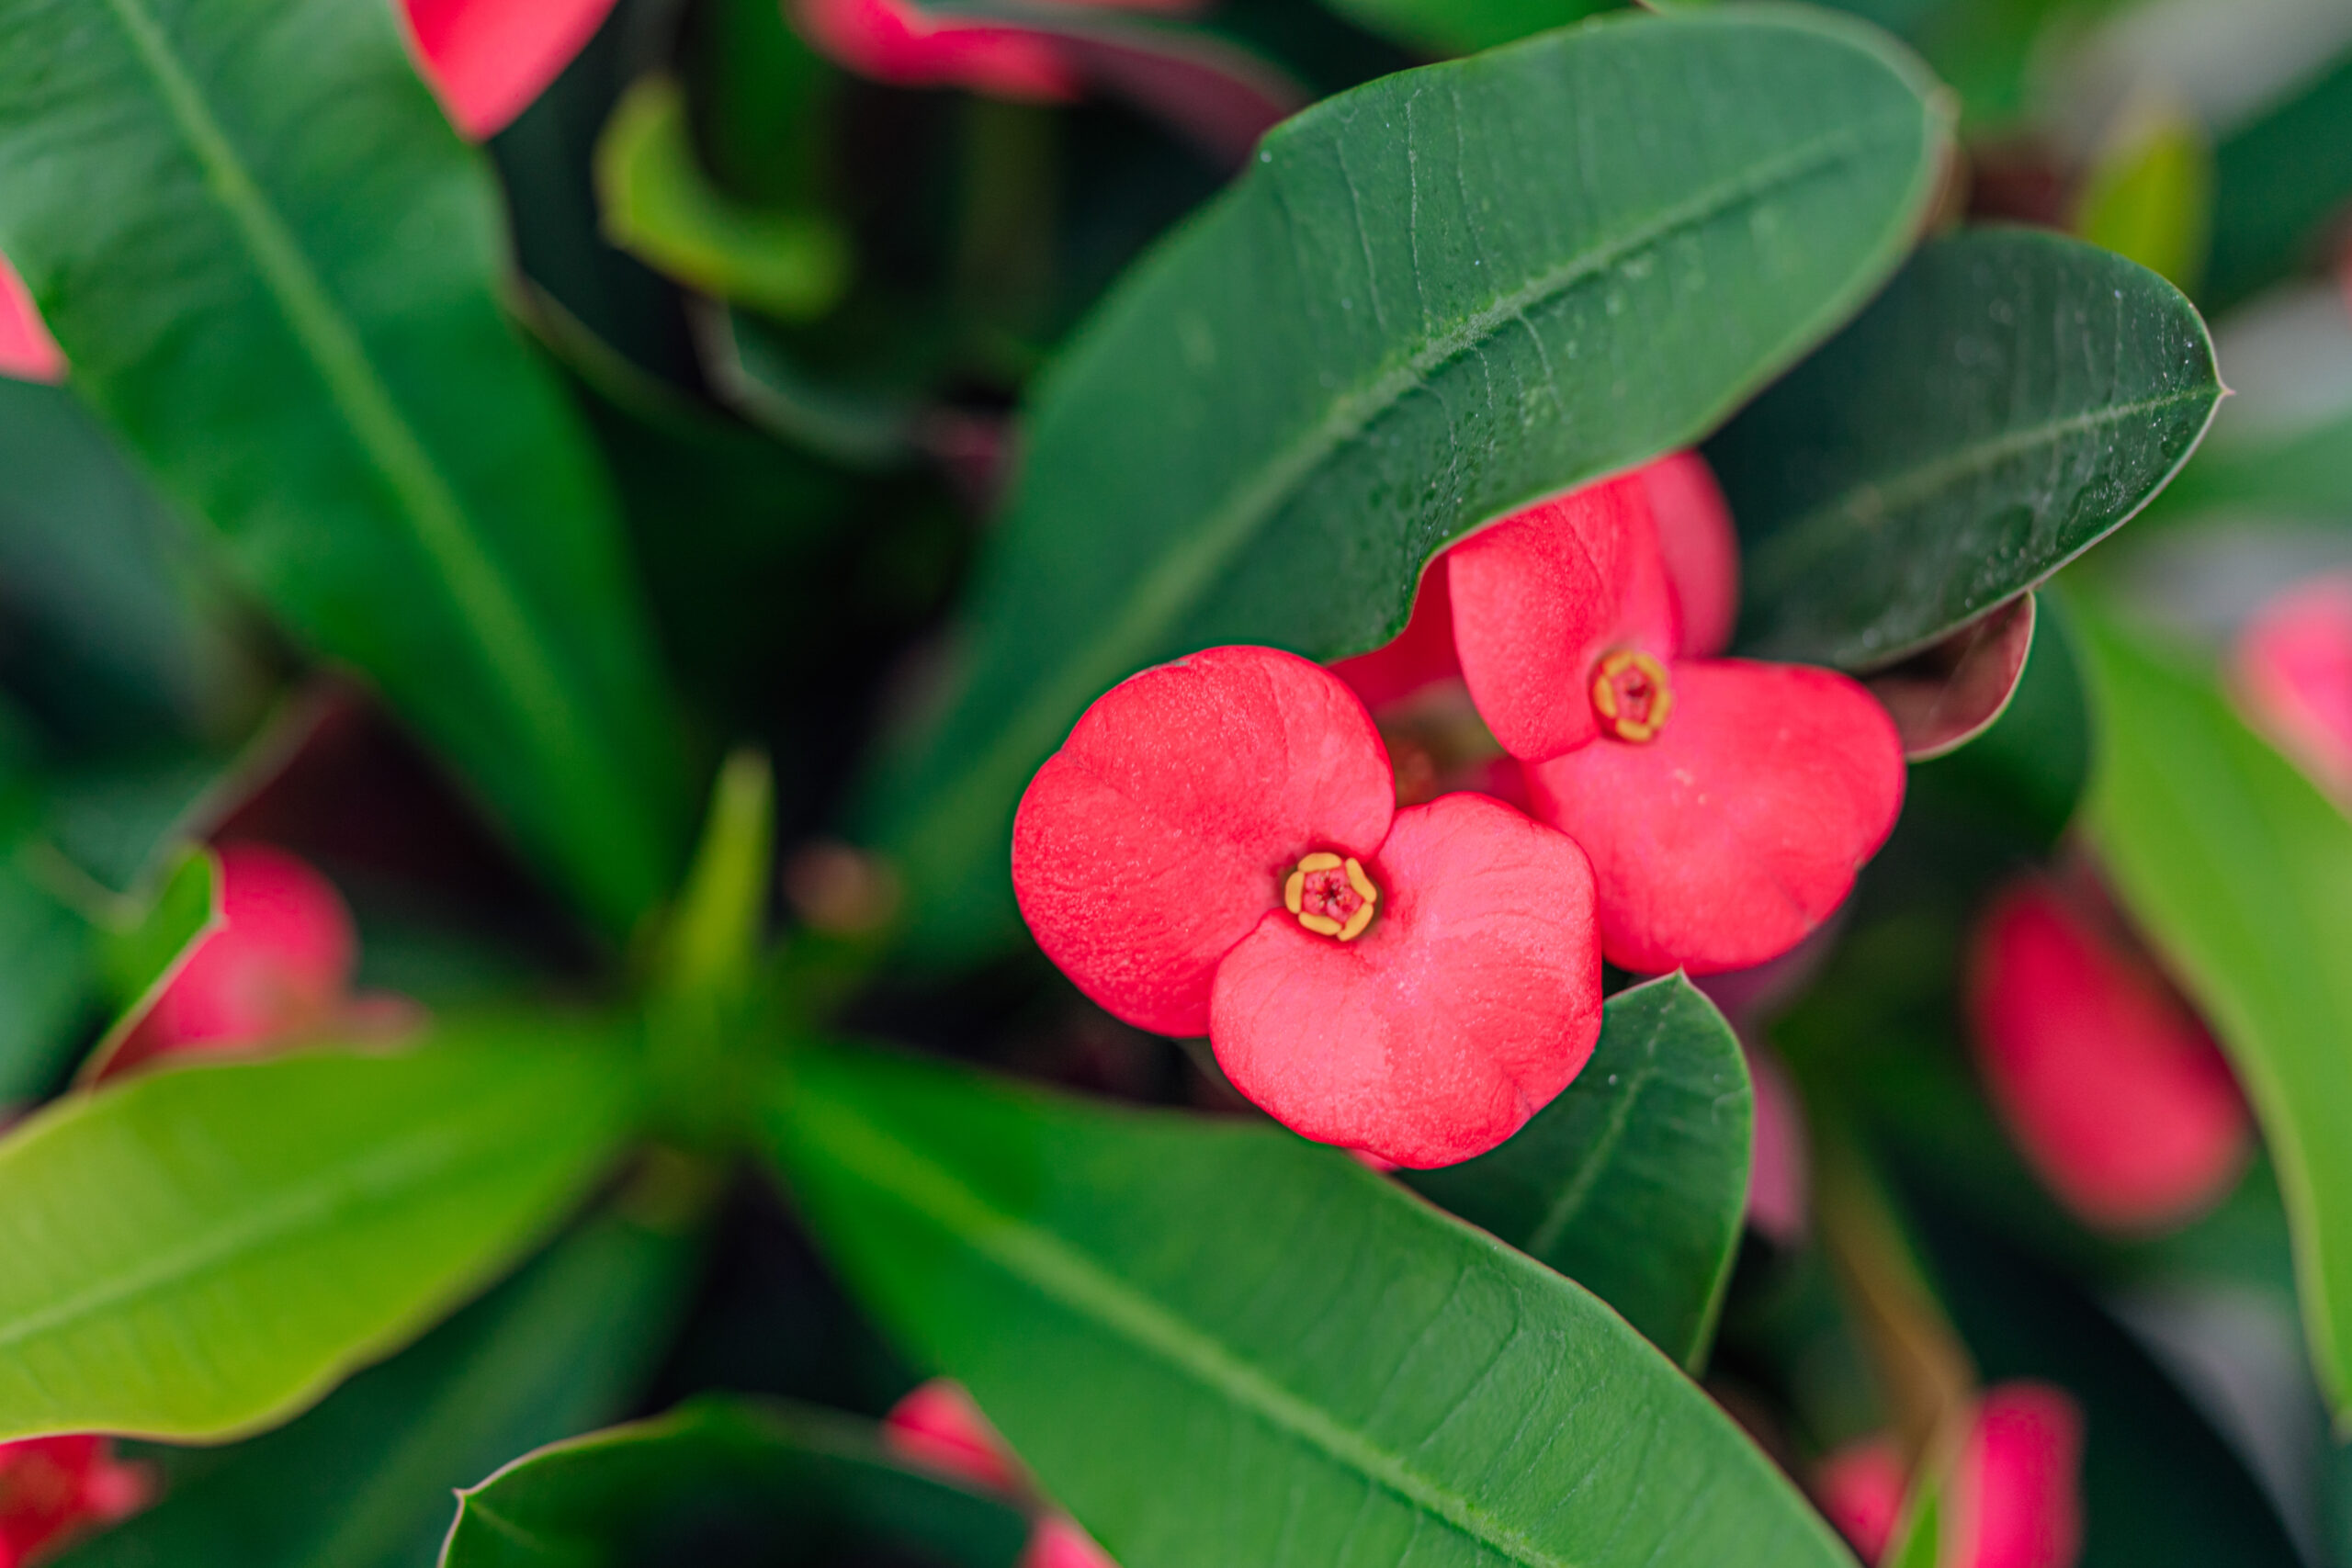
pixel 142 958
pixel 1429 301
pixel 712 940
pixel 2240 871
pixel 2012 398
pixel 1632 1182
pixel 1218 1344
pixel 1464 27
pixel 201 1251
pixel 821 1481
pixel 2149 196
pixel 661 208
pixel 2306 473
pixel 48 965
pixel 364 1480
pixel 2277 182
pixel 274 268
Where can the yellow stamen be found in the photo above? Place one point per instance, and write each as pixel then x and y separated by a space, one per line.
pixel 1295 890
pixel 1332 894
pixel 1631 695
pixel 1360 882
pixel 1324 925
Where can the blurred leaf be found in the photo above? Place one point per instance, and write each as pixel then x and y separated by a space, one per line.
pixel 48 965
pixel 2159 1486
pixel 807 1485
pixel 201 1251
pixel 1422 308
pixel 2306 474
pixel 1464 27
pixel 661 207
pixel 364 1480
pixel 273 268
pixel 759 377
pixel 2240 871
pixel 2149 196
pixel 2010 400
pixel 2277 181
pixel 1632 1182
pixel 140 958
pixel 1218 1344
pixel 714 935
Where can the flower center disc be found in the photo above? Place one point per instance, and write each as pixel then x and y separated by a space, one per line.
pixel 1630 695
pixel 1331 897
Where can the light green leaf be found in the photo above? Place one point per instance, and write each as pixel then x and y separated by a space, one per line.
pixel 712 939
pixel 274 269
pixel 2148 194
pixel 1633 1183
pixel 364 1480
pixel 2012 398
pixel 661 208
pixel 1218 1344
pixel 820 1481
pixel 1429 301
pixel 200 1251
pixel 2240 871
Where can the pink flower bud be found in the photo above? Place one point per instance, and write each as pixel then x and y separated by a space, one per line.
pixel 52 1489
pixel 2017 1490
pixel 1860 1490
pixel 2292 672
pixel 939 1426
pixel 2110 1087
pixel 278 967
pixel 27 351
pixel 488 59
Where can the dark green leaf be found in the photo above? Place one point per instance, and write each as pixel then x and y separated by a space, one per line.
pixel 810 1483
pixel 199 1251
pixel 273 268
pixel 2240 871
pixel 48 965
pixel 1464 27
pixel 1218 1344
pixel 1633 1183
pixel 1429 301
pixel 2277 181
pixel 2013 398
pixel 364 1480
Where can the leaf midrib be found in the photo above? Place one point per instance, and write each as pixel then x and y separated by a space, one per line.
pixel 493 619
pixel 1060 1273
pixel 1163 593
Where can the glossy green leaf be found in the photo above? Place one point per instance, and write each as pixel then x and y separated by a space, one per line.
pixel 199 1251
pixel 818 1481
pixel 661 208
pixel 1464 27
pixel 1632 1182
pixel 1428 302
pixel 2240 871
pixel 364 1480
pixel 2277 182
pixel 2149 197
pixel 274 268
pixel 1218 1344
pixel 2013 398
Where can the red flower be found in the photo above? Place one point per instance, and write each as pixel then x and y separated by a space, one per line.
pixel 1727 804
pixel 52 1488
pixel 2292 672
pixel 278 966
pixel 1216 849
pixel 27 351
pixel 2110 1087
pixel 2015 1498
pixel 939 1426
pixel 488 59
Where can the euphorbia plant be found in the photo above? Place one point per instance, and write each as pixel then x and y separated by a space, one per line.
pixel 730 729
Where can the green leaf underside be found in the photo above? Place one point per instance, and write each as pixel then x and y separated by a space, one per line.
pixel 364 1480
pixel 2012 398
pixel 1428 302
pixel 1633 1183
pixel 1304 1362
pixel 816 1478
pixel 2240 871
pixel 198 1251
pixel 274 269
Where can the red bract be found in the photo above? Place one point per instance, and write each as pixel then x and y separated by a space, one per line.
pixel 1727 804
pixel 2016 1495
pixel 53 1488
pixel 939 1425
pixel 27 351
pixel 279 966
pixel 2292 671
pixel 488 59
pixel 2112 1089
pixel 1216 849
pixel 1702 550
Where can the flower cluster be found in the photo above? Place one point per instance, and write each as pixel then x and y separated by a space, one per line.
pixel 53 1488
pixel 1218 848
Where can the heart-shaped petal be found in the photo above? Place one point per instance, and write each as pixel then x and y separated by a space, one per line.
pixel 1163 828
pixel 1469 1003
pixel 1700 546
pixel 1738 829
pixel 1541 597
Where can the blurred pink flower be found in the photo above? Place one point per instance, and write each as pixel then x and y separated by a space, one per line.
pixel 2292 669
pixel 940 1425
pixel 53 1488
pixel 2014 1499
pixel 488 59
pixel 1860 1490
pixel 27 351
